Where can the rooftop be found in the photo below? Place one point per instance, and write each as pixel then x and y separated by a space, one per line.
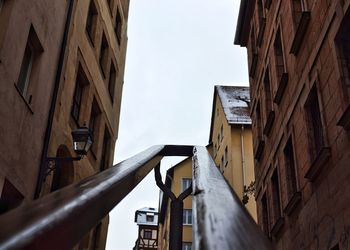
pixel 235 102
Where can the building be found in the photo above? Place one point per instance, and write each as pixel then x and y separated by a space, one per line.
pixel 63 69
pixel 230 145
pixel 147 220
pixel 178 179
pixel 298 59
pixel 231 139
pixel 30 41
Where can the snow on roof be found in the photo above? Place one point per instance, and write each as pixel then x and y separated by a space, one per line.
pixel 235 102
pixel 148 210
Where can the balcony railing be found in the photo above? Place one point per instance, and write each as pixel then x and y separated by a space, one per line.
pixel 61 219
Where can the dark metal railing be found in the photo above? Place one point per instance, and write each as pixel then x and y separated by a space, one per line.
pixel 61 219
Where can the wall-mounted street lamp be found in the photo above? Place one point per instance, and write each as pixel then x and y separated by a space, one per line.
pixel 82 141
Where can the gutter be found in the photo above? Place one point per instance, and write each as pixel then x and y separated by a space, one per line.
pixel 43 162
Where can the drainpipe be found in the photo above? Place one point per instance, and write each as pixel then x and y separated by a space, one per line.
pixel 43 162
pixel 242 152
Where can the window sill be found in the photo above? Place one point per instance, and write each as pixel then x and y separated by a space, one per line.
pixel 277 226
pixel 261 31
pixel 281 88
pixel 292 203
pixel 344 120
pixel 259 149
pixel 300 32
pixel 253 65
pixel 315 168
pixel 25 100
pixel 269 122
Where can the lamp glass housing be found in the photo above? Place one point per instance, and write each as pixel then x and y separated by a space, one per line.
pixel 82 140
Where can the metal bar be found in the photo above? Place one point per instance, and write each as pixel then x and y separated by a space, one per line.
pixel 59 220
pixel 176 210
pixel 220 219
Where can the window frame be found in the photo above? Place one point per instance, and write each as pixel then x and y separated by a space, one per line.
pixel 25 84
pixel 342 39
pixel 104 55
pixel 147 234
pixel 319 151
pixel 187 213
pixel 118 27
pixel 184 183
pixel 281 71
pixel 293 195
pixel 186 245
pixel 91 22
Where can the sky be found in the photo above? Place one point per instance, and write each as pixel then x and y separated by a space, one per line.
pixel 177 52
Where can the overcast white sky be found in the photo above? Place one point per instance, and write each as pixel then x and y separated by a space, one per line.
pixel 177 51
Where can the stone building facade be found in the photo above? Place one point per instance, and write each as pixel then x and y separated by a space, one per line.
pixel 62 67
pixel 30 40
pixel 299 65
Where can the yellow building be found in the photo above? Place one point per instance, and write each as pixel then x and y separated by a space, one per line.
pixel 231 147
pixel 231 138
pixel 178 178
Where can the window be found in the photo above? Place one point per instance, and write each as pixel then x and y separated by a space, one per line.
pixel 343 45
pixel 26 68
pixel 147 234
pixel 186 245
pixel 187 217
pixel 112 81
pixel 301 19
pixel 298 6
pixel 269 114
pixel 80 83
pixel 262 22
pixel 281 74
pixel 149 218
pixel 91 21
pixel 259 145
pixel 103 55
pixel 10 197
pixel 222 133
pixel 253 53
pixel 31 52
pixel 222 164
pixel 264 215
pixel 186 183
pixel 315 128
pixel 118 26
pixel 110 5
pixel 291 177
pixel 276 203
pixel 94 125
pixel 226 156
pixel 105 150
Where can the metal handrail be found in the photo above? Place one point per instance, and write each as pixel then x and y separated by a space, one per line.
pixel 61 219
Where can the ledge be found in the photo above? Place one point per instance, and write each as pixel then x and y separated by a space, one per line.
pixel 315 168
pixel 253 65
pixel 344 120
pixel 277 226
pixel 300 32
pixel 261 31
pixel 259 149
pixel 292 203
pixel 269 122
pixel 281 88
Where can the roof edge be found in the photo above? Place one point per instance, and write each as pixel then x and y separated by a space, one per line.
pixel 246 10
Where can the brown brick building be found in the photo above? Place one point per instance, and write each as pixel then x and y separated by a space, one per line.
pixel 61 68
pixel 299 65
